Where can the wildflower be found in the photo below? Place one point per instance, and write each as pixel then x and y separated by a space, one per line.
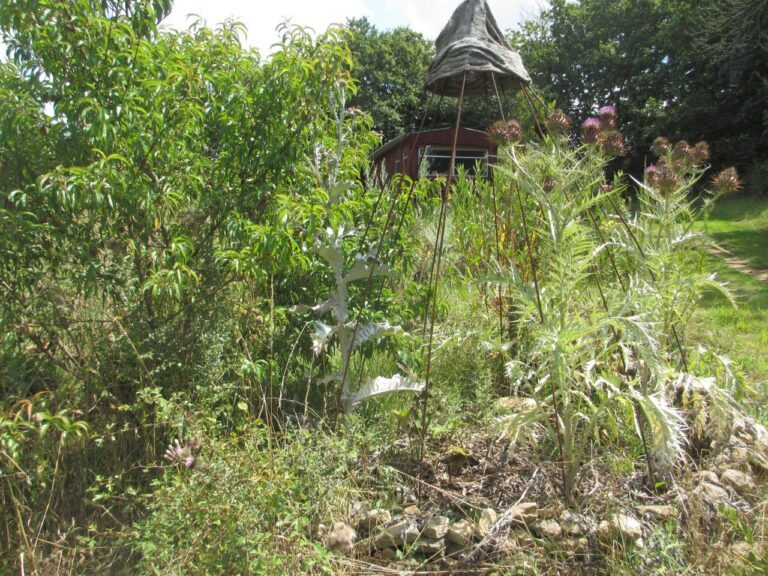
pixel 606 188
pixel 661 176
pixel 558 122
pixel 681 150
pixel 183 453
pixel 612 142
pixel 607 116
pixel 660 146
pixel 726 182
pixel 699 154
pixel 503 133
pixel 590 130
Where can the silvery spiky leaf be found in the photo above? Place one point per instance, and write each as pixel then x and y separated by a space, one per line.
pixel 322 336
pixel 383 385
pixel 377 330
pixel 666 431
pixel 363 269
pixel 522 420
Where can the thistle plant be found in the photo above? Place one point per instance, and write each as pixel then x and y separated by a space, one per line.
pixel 601 295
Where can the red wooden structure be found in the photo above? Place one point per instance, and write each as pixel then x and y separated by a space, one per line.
pixel 432 150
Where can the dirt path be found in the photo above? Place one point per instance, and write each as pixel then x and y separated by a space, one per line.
pixel 739 264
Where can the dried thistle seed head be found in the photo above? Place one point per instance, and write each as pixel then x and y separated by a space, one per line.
pixel 590 130
pixel 726 181
pixel 503 133
pixel 662 177
pixel 612 142
pixel 681 151
pixel 660 146
pixel 558 122
pixel 699 154
pixel 183 453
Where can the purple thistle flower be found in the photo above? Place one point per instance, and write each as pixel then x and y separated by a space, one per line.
pixel 608 117
pixel 607 112
pixel 590 130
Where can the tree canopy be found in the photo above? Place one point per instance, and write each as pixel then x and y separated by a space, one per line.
pixel 686 69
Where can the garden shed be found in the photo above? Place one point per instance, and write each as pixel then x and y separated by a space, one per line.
pixel 405 154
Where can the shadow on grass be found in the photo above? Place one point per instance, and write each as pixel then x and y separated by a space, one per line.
pixel 747 244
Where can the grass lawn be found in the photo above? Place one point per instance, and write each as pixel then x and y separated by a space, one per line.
pixel 740 225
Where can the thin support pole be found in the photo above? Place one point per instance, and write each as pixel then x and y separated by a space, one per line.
pixel 438 262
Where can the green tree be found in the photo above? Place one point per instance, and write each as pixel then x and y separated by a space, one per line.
pixel 672 68
pixel 158 194
pixel 391 69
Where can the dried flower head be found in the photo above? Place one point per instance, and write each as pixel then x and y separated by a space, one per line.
pixel 612 143
pixel 660 146
pixel 502 133
pixel 608 116
pixel 590 130
pixel 726 182
pixel 681 151
pixel 548 184
pixel 661 176
pixel 183 453
pixel 699 154
pixel 558 122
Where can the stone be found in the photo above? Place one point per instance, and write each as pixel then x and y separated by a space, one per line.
pixel 462 533
pixel 391 554
pixel 547 528
pixel 657 512
pixel 373 519
pixel 340 539
pixel 708 476
pixel 431 546
pixel 412 510
pixel 523 514
pixel 573 525
pixel 436 527
pixel 575 547
pixel 739 481
pixel 744 553
pixel 488 519
pixel 398 534
pixel 621 528
pixel 713 493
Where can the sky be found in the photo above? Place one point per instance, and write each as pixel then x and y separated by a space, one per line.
pixel 262 17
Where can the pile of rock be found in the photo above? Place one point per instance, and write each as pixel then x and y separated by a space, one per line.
pixel 430 537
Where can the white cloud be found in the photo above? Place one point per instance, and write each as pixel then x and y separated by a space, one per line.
pixel 261 18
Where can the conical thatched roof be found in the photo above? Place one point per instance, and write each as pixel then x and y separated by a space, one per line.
pixel 472 44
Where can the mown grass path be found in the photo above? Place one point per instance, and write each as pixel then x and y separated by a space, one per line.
pixel 740 227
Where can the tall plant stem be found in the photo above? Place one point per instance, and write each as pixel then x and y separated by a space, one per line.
pixel 678 341
pixel 368 285
pixel 437 263
pixel 555 401
pixel 496 229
